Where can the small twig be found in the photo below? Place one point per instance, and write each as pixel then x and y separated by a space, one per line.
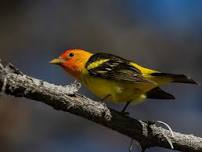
pixel 169 141
pixel 131 147
pixel 3 88
pixel 167 126
pixel 171 132
pixel 134 143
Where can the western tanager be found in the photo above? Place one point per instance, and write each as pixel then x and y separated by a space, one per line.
pixel 113 78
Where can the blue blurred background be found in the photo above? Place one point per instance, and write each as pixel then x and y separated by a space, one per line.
pixel 162 34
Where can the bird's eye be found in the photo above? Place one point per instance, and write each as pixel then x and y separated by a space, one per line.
pixel 71 55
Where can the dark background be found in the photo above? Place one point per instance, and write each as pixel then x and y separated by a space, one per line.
pixel 162 34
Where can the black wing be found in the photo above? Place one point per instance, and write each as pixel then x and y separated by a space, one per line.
pixel 112 67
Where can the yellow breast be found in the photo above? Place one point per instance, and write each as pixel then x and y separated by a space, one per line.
pixel 117 91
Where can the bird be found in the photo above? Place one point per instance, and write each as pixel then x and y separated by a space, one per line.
pixel 113 78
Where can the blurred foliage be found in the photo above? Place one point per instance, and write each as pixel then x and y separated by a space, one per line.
pixel 162 34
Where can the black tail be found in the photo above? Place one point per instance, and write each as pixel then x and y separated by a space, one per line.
pixel 157 93
pixel 178 78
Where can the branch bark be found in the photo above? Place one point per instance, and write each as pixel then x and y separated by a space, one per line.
pixel 65 98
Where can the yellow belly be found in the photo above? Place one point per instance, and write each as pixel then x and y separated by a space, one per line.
pixel 117 91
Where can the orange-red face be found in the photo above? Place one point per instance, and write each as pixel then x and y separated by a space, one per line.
pixel 73 61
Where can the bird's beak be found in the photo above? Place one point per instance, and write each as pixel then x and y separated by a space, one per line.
pixel 57 61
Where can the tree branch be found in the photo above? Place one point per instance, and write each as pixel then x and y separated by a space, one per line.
pixel 65 98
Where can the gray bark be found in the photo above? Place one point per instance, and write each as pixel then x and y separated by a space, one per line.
pixel 65 98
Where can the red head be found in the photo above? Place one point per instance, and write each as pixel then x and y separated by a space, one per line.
pixel 73 61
